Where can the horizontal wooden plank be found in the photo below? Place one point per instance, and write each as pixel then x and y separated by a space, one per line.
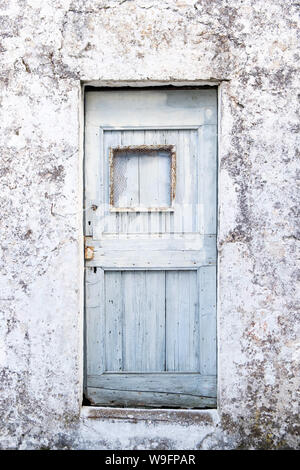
pixel 101 397
pixel 151 128
pixel 175 259
pixel 134 108
pixel 141 209
pixel 192 384
pixel 155 242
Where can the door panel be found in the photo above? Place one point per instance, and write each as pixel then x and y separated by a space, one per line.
pixel 150 223
pixel 143 319
pixel 188 206
pixel 182 322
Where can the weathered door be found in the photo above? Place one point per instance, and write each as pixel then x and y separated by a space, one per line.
pixel 150 226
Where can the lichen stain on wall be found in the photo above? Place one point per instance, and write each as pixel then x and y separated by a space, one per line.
pixel 47 48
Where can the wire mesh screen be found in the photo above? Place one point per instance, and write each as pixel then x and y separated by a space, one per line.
pixel 141 178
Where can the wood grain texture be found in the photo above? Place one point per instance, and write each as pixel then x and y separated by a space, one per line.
pixel 95 320
pixel 114 320
pixel 208 331
pixel 182 321
pixel 107 397
pixel 190 390
pixel 169 382
pixel 153 259
pixel 144 321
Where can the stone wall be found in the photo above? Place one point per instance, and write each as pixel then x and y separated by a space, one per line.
pixel 49 48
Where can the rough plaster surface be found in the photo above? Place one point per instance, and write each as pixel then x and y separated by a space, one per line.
pixel 47 48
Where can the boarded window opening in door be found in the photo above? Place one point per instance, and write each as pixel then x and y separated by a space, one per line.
pixel 142 178
pixel 150 227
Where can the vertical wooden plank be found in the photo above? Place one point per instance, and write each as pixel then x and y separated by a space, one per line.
pixel 138 222
pixel 132 222
pixel 154 308
pixel 110 139
pixel 182 321
pixel 186 181
pixel 199 209
pixel 148 180
pixel 130 318
pixel 183 184
pixel 155 182
pixel 113 320
pixel 194 168
pixel 208 329
pixel 208 180
pixel 144 321
pixel 92 176
pixel 171 137
pixel 95 321
pixel 189 183
pixel 99 205
pixel 124 221
pixel 153 137
pixel 164 178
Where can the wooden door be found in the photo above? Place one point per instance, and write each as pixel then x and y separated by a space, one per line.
pixel 150 226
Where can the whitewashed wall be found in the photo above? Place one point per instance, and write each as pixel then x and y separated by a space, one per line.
pixel 48 48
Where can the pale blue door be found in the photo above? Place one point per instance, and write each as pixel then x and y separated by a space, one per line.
pixel 150 226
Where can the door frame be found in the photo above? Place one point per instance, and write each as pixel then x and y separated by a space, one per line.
pixel 145 85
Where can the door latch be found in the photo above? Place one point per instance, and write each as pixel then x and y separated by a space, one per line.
pixel 88 250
